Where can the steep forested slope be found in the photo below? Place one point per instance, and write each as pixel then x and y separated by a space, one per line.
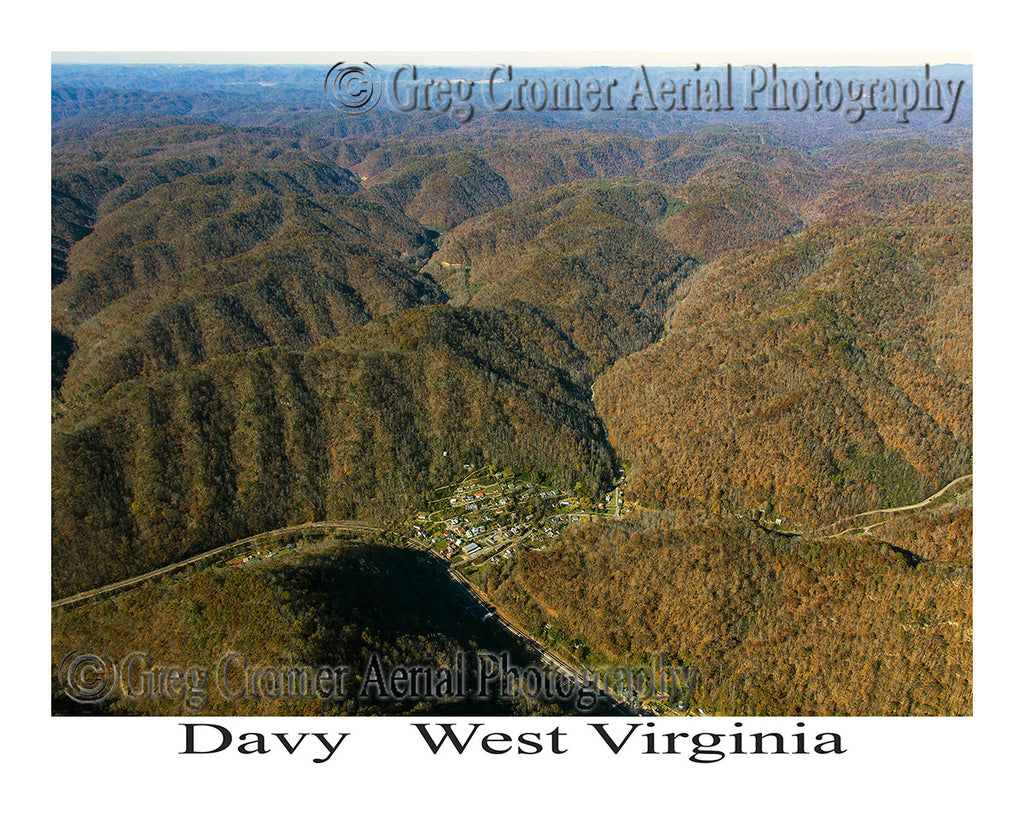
pixel 164 466
pixel 442 190
pixel 773 626
pixel 828 374
pixel 586 255
pixel 262 317
pixel 341 606
pixel 180 259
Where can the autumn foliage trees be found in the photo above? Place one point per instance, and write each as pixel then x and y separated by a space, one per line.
pixel 257 326
pixel 773 625
pixel 827 374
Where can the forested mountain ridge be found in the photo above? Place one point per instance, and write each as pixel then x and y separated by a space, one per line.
pixel 327 605
pixel 826 375
pixel 774 626
pixel 315 275
pixel 185 258
pixel 585 255
pixel 358 427
pixel 443 190
pixel 265 317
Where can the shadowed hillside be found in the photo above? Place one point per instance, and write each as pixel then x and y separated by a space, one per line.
pixel 166 466
pixel 264 313
pixel 322 606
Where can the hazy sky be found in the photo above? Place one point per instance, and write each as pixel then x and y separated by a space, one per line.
pixel 653 58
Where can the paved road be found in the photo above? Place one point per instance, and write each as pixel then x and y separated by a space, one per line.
pixel 346 525
pixel 547 655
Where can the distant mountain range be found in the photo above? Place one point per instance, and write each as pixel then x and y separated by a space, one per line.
pixel 266 312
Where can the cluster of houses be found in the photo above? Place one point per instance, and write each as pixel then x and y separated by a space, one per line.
pixel 257 556
pixel 477 520
pixel 494 519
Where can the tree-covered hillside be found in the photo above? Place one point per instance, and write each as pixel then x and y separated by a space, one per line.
pixel 265 313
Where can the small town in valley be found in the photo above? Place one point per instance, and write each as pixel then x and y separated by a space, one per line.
pixel 492 513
